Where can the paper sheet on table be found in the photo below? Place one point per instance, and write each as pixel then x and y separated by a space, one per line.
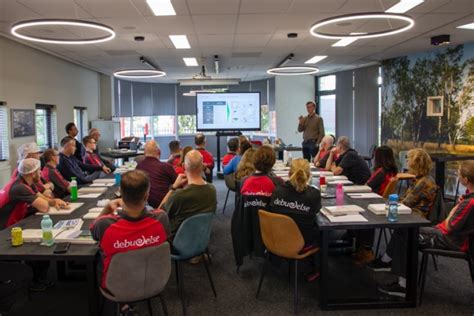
pixel 104 181
pixel 324 173
pixel 89 195
pixel 357 189
pixel 335 178
pixel 54 211
pixel 369 195
pixel 344 209
pixel 93 213
pixel 102 184
pixel 340 181
pixel 86 190
pixel 352 218
pixel 379 209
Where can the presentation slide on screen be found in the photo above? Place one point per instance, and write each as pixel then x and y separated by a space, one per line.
pixel 228 111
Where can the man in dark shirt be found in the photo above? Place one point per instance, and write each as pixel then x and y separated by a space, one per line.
pixel 71 131
pixel 196 197
pixel 94 133
pixel 133 227
pixel 349 162
pixel 70 166
pixel 175 153
pixel 51 174
pixel 162 175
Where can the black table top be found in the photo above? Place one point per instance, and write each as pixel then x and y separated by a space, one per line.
pixel 443 157
pixel 34 251
pixel 121 154
pixel 374 221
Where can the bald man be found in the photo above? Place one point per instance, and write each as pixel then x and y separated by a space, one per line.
pixel 161 174
pixel 190 194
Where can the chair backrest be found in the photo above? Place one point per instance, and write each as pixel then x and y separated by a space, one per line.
pixel 139 274
pixel 390 188
pixel 192 237
pixel 402 157
pixel 438 211
pixel 280 234
pixel 229 180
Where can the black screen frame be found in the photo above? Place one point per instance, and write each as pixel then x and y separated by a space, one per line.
pixel 230 129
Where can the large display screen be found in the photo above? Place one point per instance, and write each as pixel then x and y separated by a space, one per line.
pixel 234 111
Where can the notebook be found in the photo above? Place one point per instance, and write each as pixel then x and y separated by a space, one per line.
pixel 344 209
pixel 352 218
pixel 102 184
pixel 93 213
pixel 324 173
pixel 104 181
pixel 370 195
pixel 339 181
pixel 92 190
pixel 89 195
pixel 54 211
pixel 379 209
pixel 357 189
pixel 335 178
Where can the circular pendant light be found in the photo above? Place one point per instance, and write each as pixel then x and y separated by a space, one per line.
pixel 139 73
pixel 293 70
pixel 362 16
pixel 17 27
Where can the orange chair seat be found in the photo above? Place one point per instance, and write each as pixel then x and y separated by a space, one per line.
pixel 405 176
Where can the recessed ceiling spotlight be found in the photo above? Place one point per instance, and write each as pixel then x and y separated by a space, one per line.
pixel 139 73
pixel 180 41
pixel 315 59
pixel 292 35
pixel 161 7
pixel 293 70
pixel 404 6
pixel 62 22
pixel 469 26
pixel 139 38
pixel 362 16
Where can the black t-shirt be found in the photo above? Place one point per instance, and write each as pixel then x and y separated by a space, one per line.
pixel 302 207
pixel 354 167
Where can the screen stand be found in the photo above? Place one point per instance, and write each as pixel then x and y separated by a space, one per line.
pixel 218 135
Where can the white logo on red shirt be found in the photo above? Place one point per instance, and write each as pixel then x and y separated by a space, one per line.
pixel 139 242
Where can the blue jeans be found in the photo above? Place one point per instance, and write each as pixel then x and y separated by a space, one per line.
pixel 309 150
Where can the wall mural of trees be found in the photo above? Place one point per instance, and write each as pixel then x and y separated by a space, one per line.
pixel 408 82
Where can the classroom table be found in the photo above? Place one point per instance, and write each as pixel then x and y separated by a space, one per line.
pixel 121 154
pixel 81 253
pixel 410 222
pixel 280 149
pixel 440 160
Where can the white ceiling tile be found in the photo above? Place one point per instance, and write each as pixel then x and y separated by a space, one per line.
pixel 171 25
pixel 109 8
pixel 259 23
pixel 66 9
pixel 251 40
pixel 215 24
pixel 318 7
pixel 264 6
pixel 213 7
pixel 216 40
pixel 13 11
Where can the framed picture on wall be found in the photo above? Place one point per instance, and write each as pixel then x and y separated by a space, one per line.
pixel 23 123
pixel 434 106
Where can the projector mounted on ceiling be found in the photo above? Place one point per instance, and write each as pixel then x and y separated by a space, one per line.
pixel 202 79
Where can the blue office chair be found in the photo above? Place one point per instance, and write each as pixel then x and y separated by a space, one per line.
pixel 191 240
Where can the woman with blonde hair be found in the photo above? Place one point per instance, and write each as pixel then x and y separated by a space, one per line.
pixel 246 166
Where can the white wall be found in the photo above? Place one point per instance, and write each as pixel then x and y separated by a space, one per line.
pixel 29 76
pixel 291 95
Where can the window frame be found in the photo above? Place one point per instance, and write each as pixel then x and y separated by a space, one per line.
pixel 49 124
pixel 81 124
pixel 320 93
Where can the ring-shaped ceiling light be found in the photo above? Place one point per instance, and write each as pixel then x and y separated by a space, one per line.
pixel 139 73
pixel 293 70
pixel 361 16
pixel 62 22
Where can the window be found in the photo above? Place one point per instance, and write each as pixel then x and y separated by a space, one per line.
pixel 4 154
pixel 140 125
pixel 164 125
pixel 125 127
pixel 327 102
pixel 46 134
pixel 380 82
pixel 80 119
pixel 186 124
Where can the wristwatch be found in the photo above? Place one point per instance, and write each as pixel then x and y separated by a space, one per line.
pixel 171 188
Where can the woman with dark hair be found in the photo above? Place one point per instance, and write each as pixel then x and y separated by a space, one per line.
pixel 385 169
pixel 179 168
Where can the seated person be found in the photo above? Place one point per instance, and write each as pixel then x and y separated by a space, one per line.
pixel 207 158
pixel 385 169
pixel 231 167
pixel 325 146
pixel 31 150
pixel 420 197
pixel 161 174
pixel 132 223
pixel 196 195
pixel 180 166
pixel 70 166
pixel 233 146
pixel 246 165
pixel 20 198
pixel 349 163
pixel 90 157
pixel 95 134
pixel 175 153
pixel 51 174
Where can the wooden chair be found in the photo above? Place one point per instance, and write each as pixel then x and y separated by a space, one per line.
pixel 282 237
pixel 404 176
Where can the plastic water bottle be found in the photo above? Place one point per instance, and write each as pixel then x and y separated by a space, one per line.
pixel 392 208
pixel 118 177
pixel 47 230
pixel 339 194
pixel 73 186
pixel 285 157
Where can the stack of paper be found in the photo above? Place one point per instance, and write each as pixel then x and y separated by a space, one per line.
pixel 54 211
pixel 379 209
pixel 324 173
pixel 344 209
pixel 75 237
pixel 340 181
pixel 93 213
pixel 364 195
pixel 102 184
pixel 351 218
pixel 104 181
pixel 94 189
pixel 335 178
pixel 89 195
pixel 357 189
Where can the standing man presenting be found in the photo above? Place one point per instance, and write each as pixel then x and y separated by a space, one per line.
pixel 312 127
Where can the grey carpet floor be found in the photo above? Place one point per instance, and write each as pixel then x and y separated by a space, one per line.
pixel 449 291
